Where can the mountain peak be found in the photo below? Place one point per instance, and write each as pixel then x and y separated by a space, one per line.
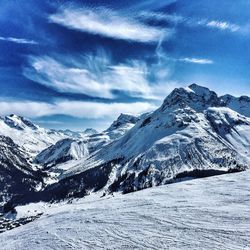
pixel 194 96
pixel 123 119
pixel 127 117
pixel 19 122
pixel 200 90
pixel 90 131
pixel 195 85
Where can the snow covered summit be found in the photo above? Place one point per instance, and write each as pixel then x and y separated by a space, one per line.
pixel 33 138
pixel 193 96
pixel 29 136
pixel 19 122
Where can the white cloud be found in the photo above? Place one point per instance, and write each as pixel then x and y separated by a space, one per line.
pixel 17 40
pixel 79 109
pixel 108 23
pixel 196 60
pixel 192 22
pixel 96 76
pixel 223 25
pixel 54 74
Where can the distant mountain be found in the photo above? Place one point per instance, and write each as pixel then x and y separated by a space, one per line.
pixel 77 135
pixel 90 141
pixel 238 104
pixel 90 131
pixel 117 129
pixel 31 137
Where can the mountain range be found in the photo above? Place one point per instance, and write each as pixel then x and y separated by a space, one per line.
pixel 194 133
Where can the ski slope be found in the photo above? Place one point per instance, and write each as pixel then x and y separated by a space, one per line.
pixel 209 213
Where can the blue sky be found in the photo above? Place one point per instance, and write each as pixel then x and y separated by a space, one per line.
pixel 78 64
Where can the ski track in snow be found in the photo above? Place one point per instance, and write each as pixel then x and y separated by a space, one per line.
pixel 209 213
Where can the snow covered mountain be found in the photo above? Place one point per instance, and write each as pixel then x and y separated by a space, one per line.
pixel 192 134
pixel 77 135
pixel 117 129
pixel 90 141
pixel 33 138
pixel 238 104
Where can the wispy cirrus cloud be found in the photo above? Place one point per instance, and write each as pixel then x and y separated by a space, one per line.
pixel 222 25
pixel 196 60
pixel 80 109
pixel 97 76
pixel 192 22
pixel 91 77
pixel 106 22
pixel 17 40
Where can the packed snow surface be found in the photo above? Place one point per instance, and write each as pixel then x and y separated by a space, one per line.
pixel 210 213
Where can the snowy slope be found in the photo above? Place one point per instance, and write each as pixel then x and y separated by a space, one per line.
pixel 210 213
pixel 232 127
pixel 64 150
